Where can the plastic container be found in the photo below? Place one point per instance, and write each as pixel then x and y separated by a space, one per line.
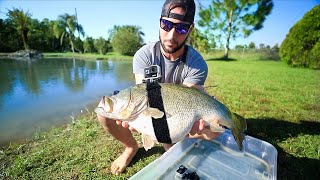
pixel 216 159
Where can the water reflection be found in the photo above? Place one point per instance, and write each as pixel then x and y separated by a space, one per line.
pixel 40 94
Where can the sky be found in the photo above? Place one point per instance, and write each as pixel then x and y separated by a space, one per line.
pixel 99 16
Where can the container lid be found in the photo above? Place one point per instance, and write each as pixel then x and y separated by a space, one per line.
pixel 216 159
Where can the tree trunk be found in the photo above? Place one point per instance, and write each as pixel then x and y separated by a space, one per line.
pixel 226 51
pixel 72 47
pixel 25 39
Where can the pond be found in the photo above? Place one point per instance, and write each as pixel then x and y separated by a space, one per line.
pixel 41 94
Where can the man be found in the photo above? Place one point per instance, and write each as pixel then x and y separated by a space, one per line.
pixel 176 23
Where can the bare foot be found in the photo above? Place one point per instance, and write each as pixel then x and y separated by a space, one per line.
pixel 120 164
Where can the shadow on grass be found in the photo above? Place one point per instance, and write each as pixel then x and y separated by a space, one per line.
pixel 221 59
pixel 142 154
pixel 274 130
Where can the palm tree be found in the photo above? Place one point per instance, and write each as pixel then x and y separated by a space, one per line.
pixel 21 20
pixel 65 27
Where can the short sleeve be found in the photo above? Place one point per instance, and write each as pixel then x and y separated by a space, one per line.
pixel 197 70
pixel 142 58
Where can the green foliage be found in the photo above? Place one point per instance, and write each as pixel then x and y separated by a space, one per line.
pixel 268 52
pixel 199 41
pixel 42 37
pixel 301 46
pixel 240 47
pixel 78 45
pixel 21 22
pixel 126 39
pixel 101 45
pixel 234 18
pixel 88 45
pixel 9 37
pixel 263 52
pixel 65 27
pixel 252 45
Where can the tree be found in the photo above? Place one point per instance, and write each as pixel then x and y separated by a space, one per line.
pixel 301 47
pixel 199 41
pixel 21 21
pixel 239 47
pixel 65 27
pixel 275 48
pixel 88 45
pixel 252 45
pixel 234 18
pixel 41 35
pixel 126 39
pixel 78 45
pixel 262 46
pixel 9 37
pixel 101 45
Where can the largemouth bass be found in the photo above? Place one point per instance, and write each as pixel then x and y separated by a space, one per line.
pixel 183 106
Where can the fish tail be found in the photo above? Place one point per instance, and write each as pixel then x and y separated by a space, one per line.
pixel 240 126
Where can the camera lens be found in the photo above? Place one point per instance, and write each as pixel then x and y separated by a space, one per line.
pixel 153 69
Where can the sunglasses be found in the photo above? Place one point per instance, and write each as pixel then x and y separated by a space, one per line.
pixel 181 28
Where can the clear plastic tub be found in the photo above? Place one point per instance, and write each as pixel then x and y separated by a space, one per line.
pixel 216 159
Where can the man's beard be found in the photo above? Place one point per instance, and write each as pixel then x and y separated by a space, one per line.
pixel 174 49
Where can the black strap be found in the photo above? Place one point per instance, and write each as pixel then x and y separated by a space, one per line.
pixel 180 66
pixel 160 125
pixel 160 58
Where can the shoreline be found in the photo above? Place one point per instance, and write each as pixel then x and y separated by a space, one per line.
pixel 85 56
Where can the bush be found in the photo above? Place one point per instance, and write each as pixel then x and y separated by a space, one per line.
pixel 126 41
pixel 101 45
pixel 301 46
pixel 78 45
pixel 88 45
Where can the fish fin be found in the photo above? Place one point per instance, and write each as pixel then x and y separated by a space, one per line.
pixel 240 126
pixel 216 128
pixel 214 125
pixel 100 111
pixel 110 116
pixel 153 112
pixel 242 121
pixel 147 142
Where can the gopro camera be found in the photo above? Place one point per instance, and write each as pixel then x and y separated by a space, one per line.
pixel 184 173
pixel 152 73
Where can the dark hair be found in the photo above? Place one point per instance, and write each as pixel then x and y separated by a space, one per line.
pixel 188 5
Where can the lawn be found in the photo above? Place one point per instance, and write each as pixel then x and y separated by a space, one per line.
pixel 280 103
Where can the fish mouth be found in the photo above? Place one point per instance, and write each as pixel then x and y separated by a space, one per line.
pixel 127 110
pixel 105 107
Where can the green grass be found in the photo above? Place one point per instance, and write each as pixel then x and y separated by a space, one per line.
pixel 280 103
pixel 79 151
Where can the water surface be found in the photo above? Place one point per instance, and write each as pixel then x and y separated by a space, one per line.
pixel 37 95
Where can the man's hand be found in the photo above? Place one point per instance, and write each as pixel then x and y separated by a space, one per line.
pixel 125 125
pixel 197 127
pixel 199 130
